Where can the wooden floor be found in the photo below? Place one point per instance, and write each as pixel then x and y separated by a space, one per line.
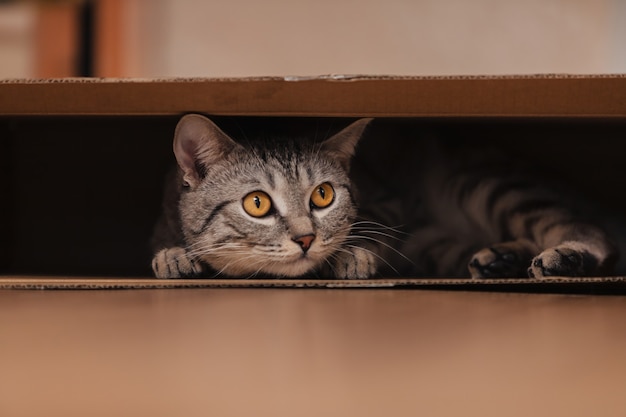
pixel 310 352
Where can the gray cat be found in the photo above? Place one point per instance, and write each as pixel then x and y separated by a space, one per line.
pixel 282 209
pixel 275 208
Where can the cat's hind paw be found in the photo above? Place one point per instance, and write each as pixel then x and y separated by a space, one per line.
pixel 561 261
pixel 175 263
pixel 354 263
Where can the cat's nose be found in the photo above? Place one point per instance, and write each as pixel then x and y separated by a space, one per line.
pixel 304 241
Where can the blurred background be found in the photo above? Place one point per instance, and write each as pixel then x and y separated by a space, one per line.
pixel 195 38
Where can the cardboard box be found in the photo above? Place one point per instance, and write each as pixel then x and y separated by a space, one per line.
pixel 82 160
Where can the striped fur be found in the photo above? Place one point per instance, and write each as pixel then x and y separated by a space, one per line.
pixel 425 211
pixel 471 211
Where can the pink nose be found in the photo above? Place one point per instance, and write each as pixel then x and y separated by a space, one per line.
pixel 304 241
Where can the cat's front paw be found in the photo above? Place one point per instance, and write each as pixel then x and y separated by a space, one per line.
pixel 354 263
pixel 560 261
pixel 175 263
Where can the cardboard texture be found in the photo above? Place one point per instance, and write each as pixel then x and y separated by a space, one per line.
pixel 598 286
pixel 96 149
pixel 524 96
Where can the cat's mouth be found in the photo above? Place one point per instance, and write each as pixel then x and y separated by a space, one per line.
pixel 297 264
pixel 300 258
pixel 286 264
pixel 293 268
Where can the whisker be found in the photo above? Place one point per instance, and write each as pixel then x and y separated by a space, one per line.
pixel 209 249
pixel 376 255
pixel 330 265
pixel 381 243
pixel 376 232
pixel 396 229
pixel 230 264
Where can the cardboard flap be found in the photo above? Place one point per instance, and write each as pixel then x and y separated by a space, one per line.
pixel 491 96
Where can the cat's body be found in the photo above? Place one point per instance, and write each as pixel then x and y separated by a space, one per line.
pixel 296 208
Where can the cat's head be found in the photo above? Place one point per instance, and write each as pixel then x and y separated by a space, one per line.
pixel 267 208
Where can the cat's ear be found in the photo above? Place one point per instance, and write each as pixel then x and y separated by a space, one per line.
pixel 198 143
pixel 343 145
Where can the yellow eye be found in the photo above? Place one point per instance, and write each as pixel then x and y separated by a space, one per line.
pixel 322 196
pixel 257 204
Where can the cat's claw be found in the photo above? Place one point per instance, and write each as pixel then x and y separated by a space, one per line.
pixel 175 263
pixel 354 263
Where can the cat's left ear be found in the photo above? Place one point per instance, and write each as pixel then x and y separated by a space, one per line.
pixel 343 145
pixel 199 143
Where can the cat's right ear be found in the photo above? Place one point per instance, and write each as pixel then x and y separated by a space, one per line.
pixel 199 143
pixel 342 145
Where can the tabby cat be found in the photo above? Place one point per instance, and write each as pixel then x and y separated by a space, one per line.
pixel 271 207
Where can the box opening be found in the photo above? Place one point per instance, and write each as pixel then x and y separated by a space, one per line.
pixel 81 194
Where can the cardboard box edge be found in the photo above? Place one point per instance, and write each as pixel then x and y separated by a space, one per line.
pixel 601 285
pixel 341 96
